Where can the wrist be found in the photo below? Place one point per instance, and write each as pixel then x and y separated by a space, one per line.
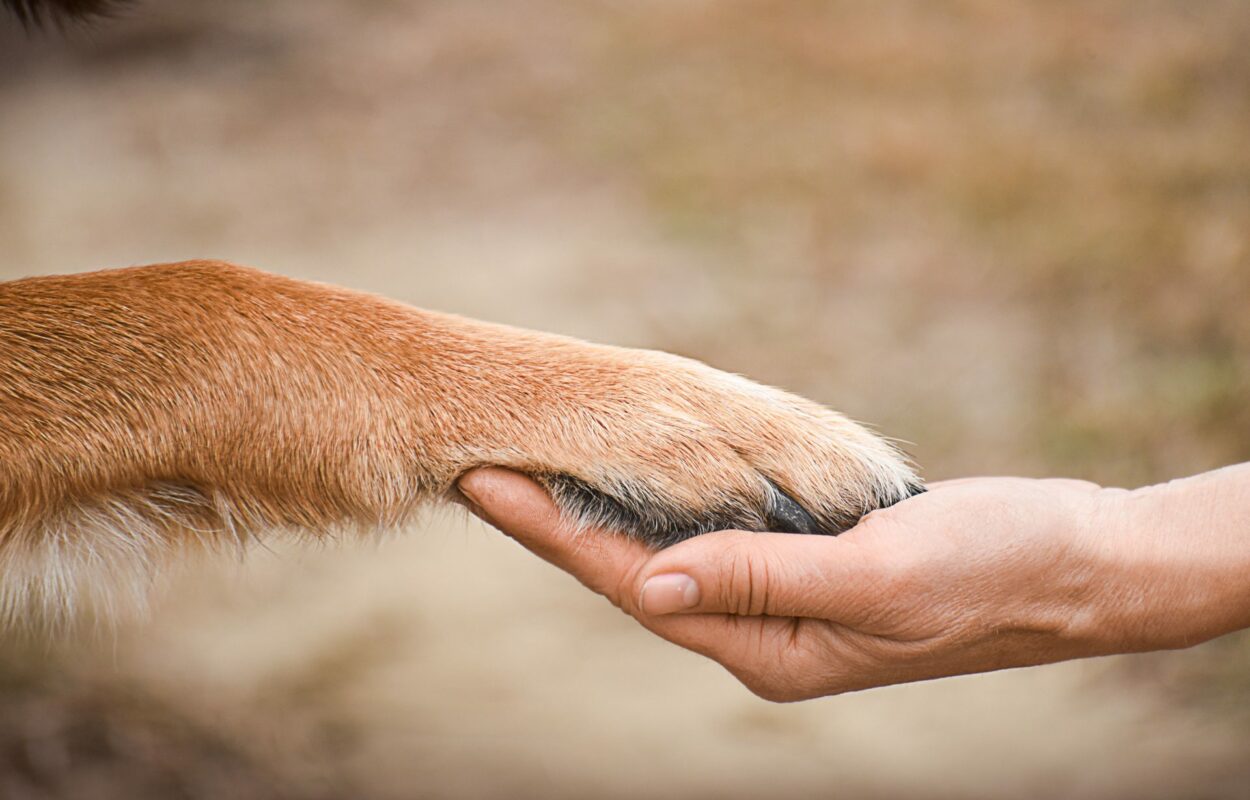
pixel 1177 562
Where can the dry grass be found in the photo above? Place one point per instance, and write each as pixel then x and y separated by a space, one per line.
pixel 1016 235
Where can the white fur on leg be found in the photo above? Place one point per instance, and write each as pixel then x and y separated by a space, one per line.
pixel 98 560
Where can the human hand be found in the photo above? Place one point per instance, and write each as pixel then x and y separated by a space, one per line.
pixel 974 575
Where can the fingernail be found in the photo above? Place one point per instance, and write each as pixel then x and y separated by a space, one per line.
pixel 666 594
pixel 472 505
pixel 463 486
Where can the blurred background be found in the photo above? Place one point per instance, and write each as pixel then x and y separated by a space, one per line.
pixel 1016 236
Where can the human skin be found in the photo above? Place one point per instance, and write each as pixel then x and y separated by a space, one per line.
pixel 974 575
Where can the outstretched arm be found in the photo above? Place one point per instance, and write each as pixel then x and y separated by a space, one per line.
pixel 975 575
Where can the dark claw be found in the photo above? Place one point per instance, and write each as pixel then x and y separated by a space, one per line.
pixel 785 515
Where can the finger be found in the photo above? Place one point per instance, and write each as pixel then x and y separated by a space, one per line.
pixel 769 574
pixel 765 653
pixel 777 658
pixel 602 560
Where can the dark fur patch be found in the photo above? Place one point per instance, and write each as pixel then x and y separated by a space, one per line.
pixel 642 515
pixel 36 12
pixel 650 519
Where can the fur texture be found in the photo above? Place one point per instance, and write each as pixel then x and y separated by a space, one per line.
pixel 149 409
pixel 35 12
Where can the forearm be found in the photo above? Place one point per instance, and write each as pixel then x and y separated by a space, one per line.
pixel 1182 560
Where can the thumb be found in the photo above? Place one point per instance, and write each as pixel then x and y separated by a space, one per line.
pixel 763 574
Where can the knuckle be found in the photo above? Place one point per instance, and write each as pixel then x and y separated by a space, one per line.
pixel 772 690
pixel 745 589
pixel 775 676
pixel 627 590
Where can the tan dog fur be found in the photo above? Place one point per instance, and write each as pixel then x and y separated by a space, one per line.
pixel 143 410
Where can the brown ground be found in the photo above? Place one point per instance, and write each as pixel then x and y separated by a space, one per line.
pixel 1017 236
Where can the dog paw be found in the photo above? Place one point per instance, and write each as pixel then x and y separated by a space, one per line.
pixel 664 448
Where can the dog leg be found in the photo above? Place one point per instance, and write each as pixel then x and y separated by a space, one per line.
pixel 146 409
